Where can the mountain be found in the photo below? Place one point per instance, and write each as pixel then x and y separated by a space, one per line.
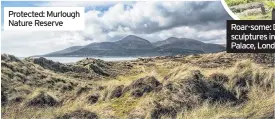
pixel 102 46
pixel 173 43
pixel 135 46
pixel 67 50
pixel 134 42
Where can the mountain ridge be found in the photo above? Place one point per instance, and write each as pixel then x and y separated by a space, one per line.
pixel 132 45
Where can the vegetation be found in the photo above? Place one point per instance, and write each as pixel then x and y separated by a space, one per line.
pixel 251 9
pixel 208 86
pixel 270 4
pixel 238 2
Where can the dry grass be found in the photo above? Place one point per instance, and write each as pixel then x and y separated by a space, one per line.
pixel 261 91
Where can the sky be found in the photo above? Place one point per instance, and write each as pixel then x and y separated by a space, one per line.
pixel 111 21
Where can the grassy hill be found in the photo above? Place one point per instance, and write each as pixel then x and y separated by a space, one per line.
pixel 208 86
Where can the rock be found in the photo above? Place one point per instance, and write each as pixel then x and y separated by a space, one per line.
pixel 143 85
pixel 42 99
pixel 93 98
pixel 79 114
pixel 117 92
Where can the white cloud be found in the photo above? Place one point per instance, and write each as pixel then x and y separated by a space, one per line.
pixel 204 21
pixel 81 3
pixel 27 43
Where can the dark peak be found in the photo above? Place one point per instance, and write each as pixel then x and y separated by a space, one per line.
pixel 170 38
pixel 134 42
pixel 133 37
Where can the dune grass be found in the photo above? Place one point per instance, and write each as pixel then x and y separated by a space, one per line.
pixel 261 92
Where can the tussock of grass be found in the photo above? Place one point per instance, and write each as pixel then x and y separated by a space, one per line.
pixel 41 98
pixel 251 83
pixel 256 108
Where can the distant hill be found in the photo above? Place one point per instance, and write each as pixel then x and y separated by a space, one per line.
pixel 135 46
pixel 173 43
pixel 67 50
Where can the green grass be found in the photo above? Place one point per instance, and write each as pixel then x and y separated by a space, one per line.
pixel 238 2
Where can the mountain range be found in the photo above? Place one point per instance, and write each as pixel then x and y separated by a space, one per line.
pixel 135 46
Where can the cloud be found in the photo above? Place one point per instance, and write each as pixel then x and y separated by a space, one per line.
pixel 83 3
pixel 207 36
pixel 27 43
pixel 154 21
pixel 153 17
pixel 150 17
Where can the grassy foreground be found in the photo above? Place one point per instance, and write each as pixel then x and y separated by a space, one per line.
pixel 206 86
